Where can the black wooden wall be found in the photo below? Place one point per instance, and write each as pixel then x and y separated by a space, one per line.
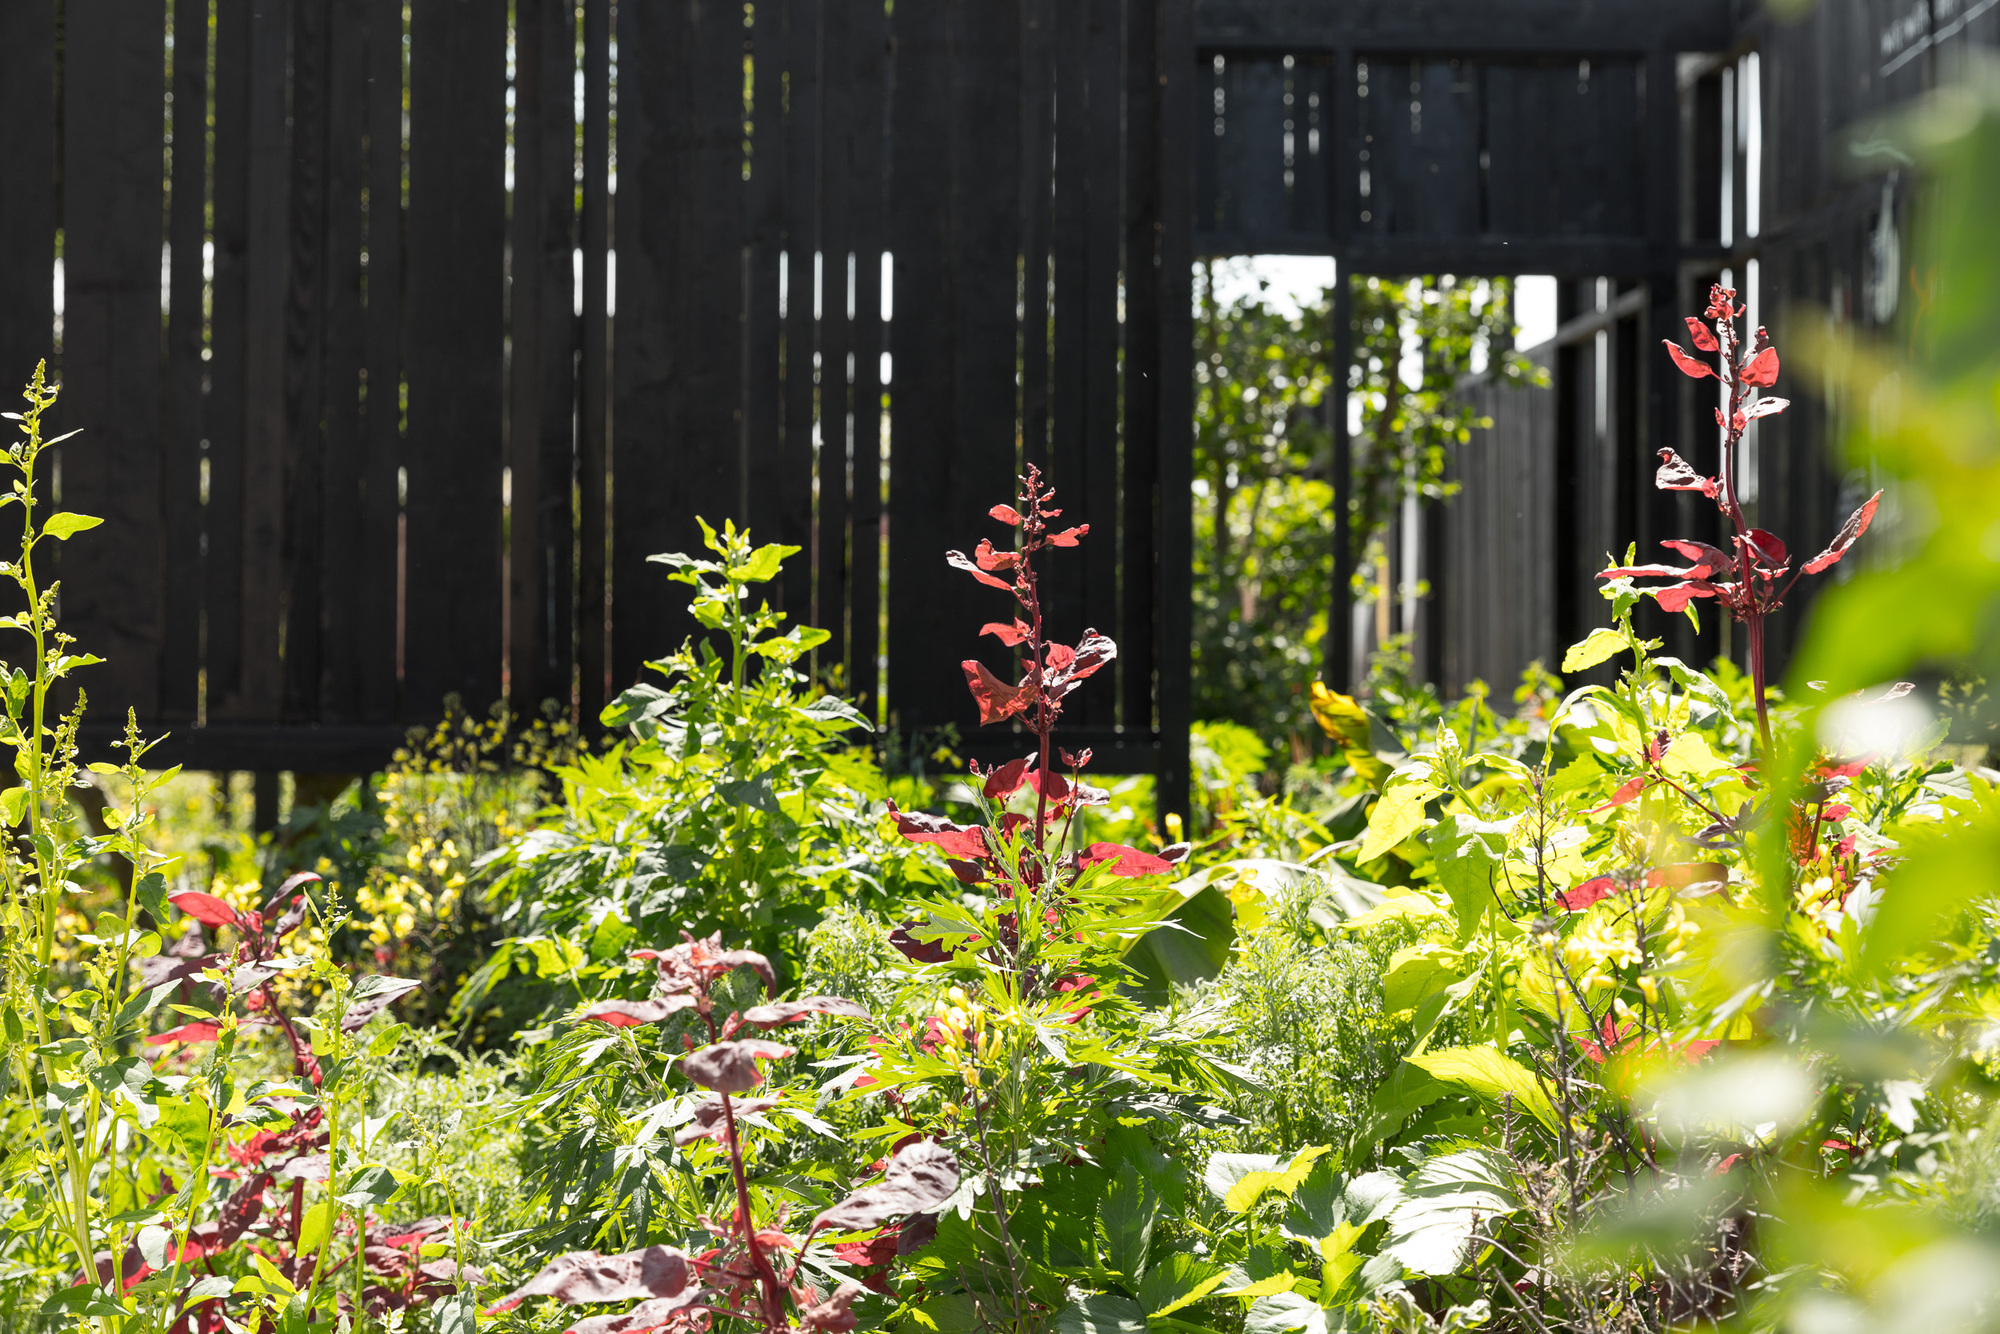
pixel 401 337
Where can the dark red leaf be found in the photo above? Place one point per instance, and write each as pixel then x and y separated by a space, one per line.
pixel 1762 369
pixel 1005 514
pixel 1770 548
pixel 205 908
pixel 1126 861
pixel 1689 366
pixel 1707 560
pixel 185 1033
pixel 1850 532
pixel 381 993
pixel 834 1315
pixel 709 1122
pixel 586 1276
pixel 957 839
pixel 1674 598
pixel 1590 891
pixel 1631 789
pixel 1176 853
pixel 631 1014
pixel 998 701
pixel 1833 813
pixel 919 1178
pixel 1677 474
pixel 972 873
pixel 1006 780
pixel 793 1011
pixel 659 1314
pixel 1050 784
pixel 1704 340
pixel 917 951
pixel 990 559
pixel 1009 635
pixel 731 1067
pixel 1068 537
pixel 959 561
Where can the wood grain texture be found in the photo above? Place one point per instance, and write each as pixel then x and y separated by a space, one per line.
pixel 182 440
pixel 378 623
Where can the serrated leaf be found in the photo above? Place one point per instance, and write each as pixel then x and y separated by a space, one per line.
pixel 1443 1201
pixel 1102 1313
pixel 1489 1074
pixel 1252 1186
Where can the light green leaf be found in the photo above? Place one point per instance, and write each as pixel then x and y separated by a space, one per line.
pixel 62 526
pixel 1103 1313
pixel 1252 1186
pixel 762 565
pixel 1601 645
pixel 13 805
pixel 1490 1074
pixel 1177 1281
pixel 1469 852
pixel 1444 1200
pixel 1282 1312
pixel 316 1226
pixel 1690 756
pixel 1399 813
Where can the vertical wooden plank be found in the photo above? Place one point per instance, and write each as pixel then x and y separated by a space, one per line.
pixel 802 243
pixel 1176 465
pixel 1070 230
pixel 1338 667
pixel 265 263
pixel 1038 144
pixel 343 594
pixel 222 516
pixel 114 102
pixel 868 67
pixel 593 625
pixel 303 476
pixel 837 133
pixel 1139 592
pixel 677 423
pixel 28 222
pixel 1093 478
pixel 765 205
pixel 456 247
pixel 379 623
pixel 541 323
pixel 180 458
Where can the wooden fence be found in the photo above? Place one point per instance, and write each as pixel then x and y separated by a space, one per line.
pixel 400 339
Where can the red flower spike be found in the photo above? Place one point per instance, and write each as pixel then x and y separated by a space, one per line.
pixel 1850 532
pixel 959 561
pixel 1704 341
pixel 1010 635
pixel 1694 370
pixel 1762 369
pixel 998 701
pixel 1006 514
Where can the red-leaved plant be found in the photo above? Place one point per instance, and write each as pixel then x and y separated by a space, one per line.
pixel 740 1277
pixel 1753 580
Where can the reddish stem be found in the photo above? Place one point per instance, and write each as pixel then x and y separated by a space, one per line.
pixel 767 1277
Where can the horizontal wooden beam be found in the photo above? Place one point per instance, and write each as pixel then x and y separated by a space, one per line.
pixel 1574 257
pixel 1483 27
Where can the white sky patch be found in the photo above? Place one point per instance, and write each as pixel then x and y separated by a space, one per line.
pixel 1534 309
pixel 1291 282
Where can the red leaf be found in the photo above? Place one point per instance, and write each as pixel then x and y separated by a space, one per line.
pixel 1048 783
pixel 1852 769
pixel 1005 514
pixel 1699 1048
pixel 972 873
pixel 1589 892
pixel 989 559
pixel 1677 474
pixel 731 1067
pixel 1068 537
pixel 959 561
pixel 1770 548
pixel 1006 780
pixel 1631 789
pixel 919 1178
pixel 1762 369
pixel 794 1011
pixel 1850 532
pixel 1708 560
pixel 205 908
pixel 185 1033
pixel 586 1276
pixel 956 839
pixel 1766 407
pixel 1832 813
pixel 997 700
pixel 631 1014
pixel 1673 599
pixel 1009 635
pixel 1703 340
pixel 1689 366
pixel 1126 861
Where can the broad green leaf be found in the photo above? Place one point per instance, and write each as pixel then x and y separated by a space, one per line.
pixel 1251 1187
pixel 1224 1170
pixel 1469 853
pixel 1399 813
pixel 64 525
pixel 13 805
pixel 456 1314
pixel 1103 1313
pixel 1489 1074
pixel 316 1226
pixel 1192 945
pixel 1431 1228
pixel 1690 756
pixel 763 564
pixel 1600 645
pixel 1282 1312
pixel 1177 1281
pixel 1418 972
pixel 1126 1218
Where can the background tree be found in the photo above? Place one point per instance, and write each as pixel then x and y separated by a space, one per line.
pixel 1264 515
